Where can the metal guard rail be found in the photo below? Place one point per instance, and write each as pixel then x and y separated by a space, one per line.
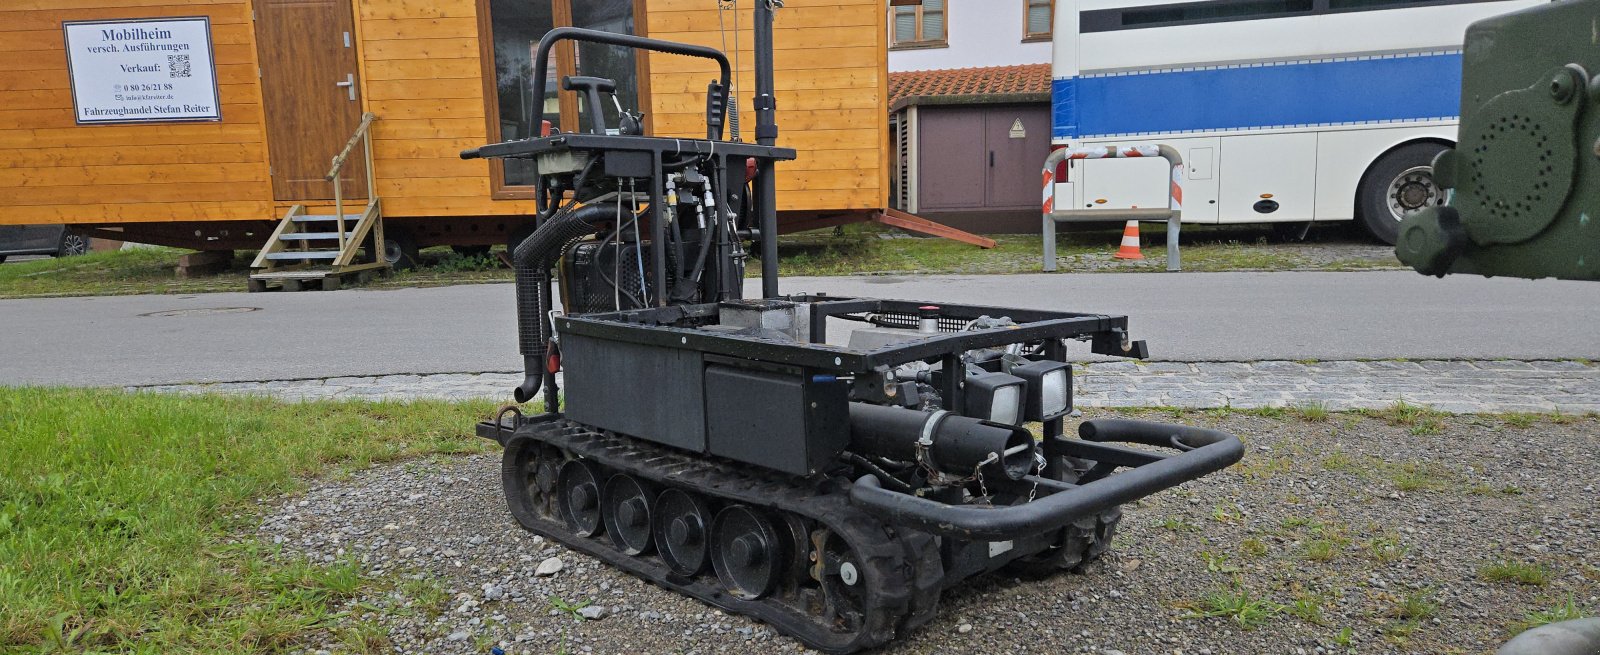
pixel 1203 451
pixel 363 134
pixel 1173 213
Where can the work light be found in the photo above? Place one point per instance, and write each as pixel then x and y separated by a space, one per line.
pixel 995 397
pixel 1049 389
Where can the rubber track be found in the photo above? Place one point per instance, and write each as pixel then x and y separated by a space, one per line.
pixel 901 568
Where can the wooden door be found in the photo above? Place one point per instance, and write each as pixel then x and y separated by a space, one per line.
pixel 311 95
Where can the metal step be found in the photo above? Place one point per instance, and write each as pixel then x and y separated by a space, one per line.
pixel 312 236
pixel 312 218
pixel 306 254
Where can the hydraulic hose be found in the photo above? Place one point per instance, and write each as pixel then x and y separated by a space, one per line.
pixel 533 259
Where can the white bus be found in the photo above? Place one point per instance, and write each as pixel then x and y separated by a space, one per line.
pixel 1285 111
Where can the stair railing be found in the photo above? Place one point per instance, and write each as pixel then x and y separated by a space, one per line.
pixel 364 135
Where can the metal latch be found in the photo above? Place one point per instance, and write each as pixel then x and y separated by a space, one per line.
pixel 349 83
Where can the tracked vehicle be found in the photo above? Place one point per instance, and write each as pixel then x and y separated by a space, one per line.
pixel 827 465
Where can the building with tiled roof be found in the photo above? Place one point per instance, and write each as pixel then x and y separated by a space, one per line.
pixel 1020 83
pixel 969 103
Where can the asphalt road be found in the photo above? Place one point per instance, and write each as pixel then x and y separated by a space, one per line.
pixel 1185 316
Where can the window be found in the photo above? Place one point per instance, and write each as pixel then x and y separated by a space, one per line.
pixel 514 28
pixel 1041 15
pixel 920 26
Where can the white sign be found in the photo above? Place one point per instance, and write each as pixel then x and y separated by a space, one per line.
pixel 1016 130
pixel 131 71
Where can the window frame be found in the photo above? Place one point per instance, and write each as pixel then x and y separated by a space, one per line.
pixel 919 42
pixel 1035 37
pixel 561 12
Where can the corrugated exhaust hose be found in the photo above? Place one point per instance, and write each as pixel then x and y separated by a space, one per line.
pixel 534 258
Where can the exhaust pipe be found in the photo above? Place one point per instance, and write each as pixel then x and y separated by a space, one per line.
pixel 533 259
pixel 950 443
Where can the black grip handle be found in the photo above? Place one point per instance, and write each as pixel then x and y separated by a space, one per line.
pixel 470 153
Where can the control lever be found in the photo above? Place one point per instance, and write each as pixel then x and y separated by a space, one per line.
pixel 591 87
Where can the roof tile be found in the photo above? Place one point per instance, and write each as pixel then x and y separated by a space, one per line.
pixel 993 80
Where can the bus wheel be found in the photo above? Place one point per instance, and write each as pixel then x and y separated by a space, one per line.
pixel 1400 183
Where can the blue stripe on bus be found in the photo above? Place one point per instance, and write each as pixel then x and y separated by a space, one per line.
pixel 1244 97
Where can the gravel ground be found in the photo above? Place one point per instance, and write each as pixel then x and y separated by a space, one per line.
pixel 1339 533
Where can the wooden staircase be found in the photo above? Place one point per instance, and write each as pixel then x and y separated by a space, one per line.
pixel 326 249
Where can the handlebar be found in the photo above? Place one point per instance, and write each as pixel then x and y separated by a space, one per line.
pixel 541 65
pixel 1205 451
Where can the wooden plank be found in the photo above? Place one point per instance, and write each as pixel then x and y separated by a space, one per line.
pixel 54 40
pixel 438 187
pixel 64 117
pixel 23 21
pixel 138 212
pixel 466 68
pixel 381 9
pixel 158 134
pixel 196 6
pixel 787 121
pixel 464 89
pixel 819 100
pixel 423 148
pixel 791 38
pixel 911 222
pixel 425 108
pixel 456 206
pixel 137 193
pixel 857 77
pixel 421 49
pixel 399 29
pixel 163 173
pixel 664 21
pixel 420 168
pixel 782 60
pixel 428 128
pixel 184 153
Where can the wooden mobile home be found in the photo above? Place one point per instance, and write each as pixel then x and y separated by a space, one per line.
pixel 293 79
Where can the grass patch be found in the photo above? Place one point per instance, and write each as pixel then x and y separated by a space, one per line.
pixel 1523 573
pixel 117 507
pixel 1421 420
pixel 1415 606
pixel 1238 604
pixel 1307 607
pixel 1420 476
pixel 1312 413
pixel 1565 611
pixel 560 605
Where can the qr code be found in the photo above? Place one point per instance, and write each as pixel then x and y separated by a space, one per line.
pixel 178 65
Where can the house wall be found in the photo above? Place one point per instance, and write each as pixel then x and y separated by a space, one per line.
pixel 55 171
pixel 980 33
pixel 422 74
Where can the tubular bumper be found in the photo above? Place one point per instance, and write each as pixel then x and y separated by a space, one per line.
pixel 1203 451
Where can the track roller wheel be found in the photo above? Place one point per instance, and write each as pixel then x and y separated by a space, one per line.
pixel 626 507
pixel 578 496
pixel 528 476
pixel 844 586
pixel 682 526
pixel 746 552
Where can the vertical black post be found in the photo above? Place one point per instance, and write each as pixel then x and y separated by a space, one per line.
pixel 766 134
pixel 658 232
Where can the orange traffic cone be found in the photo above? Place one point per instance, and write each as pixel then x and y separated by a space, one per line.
pixel 1130 242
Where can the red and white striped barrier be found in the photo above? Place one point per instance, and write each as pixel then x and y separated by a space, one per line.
pixel 1052 215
